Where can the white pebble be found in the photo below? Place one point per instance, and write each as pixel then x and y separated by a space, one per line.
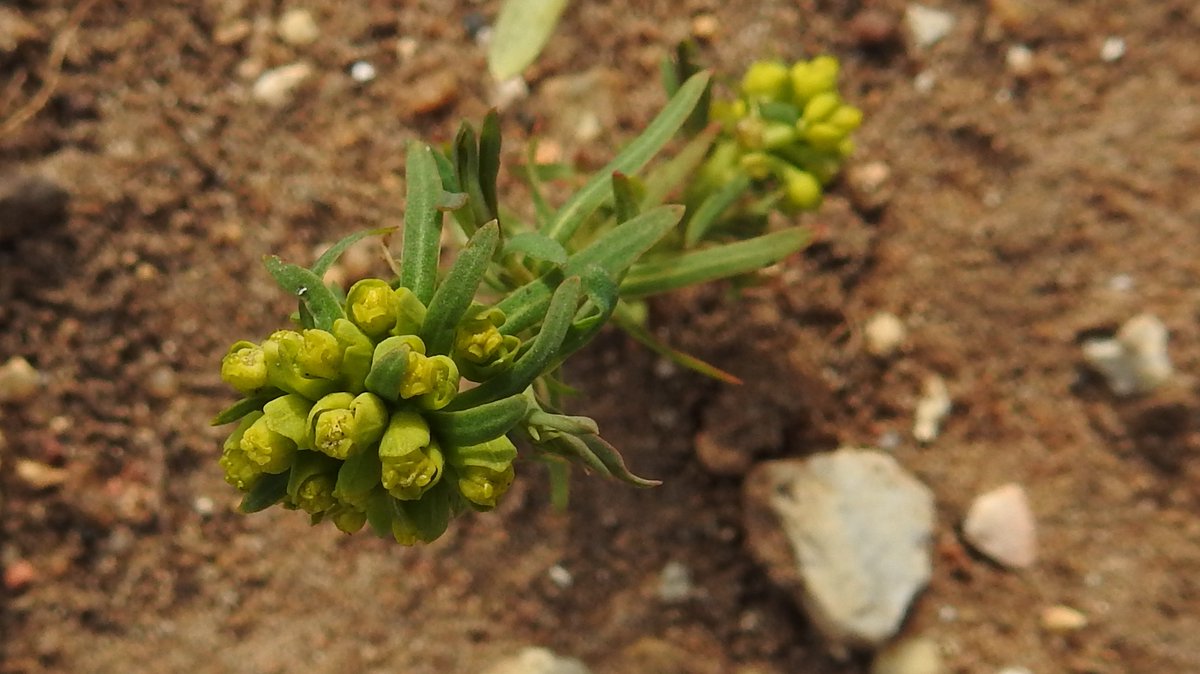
pixel 1019 60
pixel 1112 49
pixel 276 86
pixel 509 91
pixel 919 655
pixel 406 48
pixel 203 506
pixel 1136 359
pixel 19 381
pixel 1063 619
pixel 1000 524
pixel 932 409
pixel 362 72
pixel 297 27
pixel 1015 670
pixel 674 583
pixel 559 575
pixel 884 333
pixel 927 25
pixel 924 81
pixel 1121 283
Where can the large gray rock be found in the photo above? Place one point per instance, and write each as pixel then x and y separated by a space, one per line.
pixel 847 534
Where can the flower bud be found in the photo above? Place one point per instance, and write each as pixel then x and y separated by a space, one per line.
pixel 315 494
pixel 412 461
pixel 270 451
pixel 438 384
pixel 820 107
pixel 485 471
pixel 320 355
pixel 824 137
pixel 372 305
pixel 757 165
pixel 847 118
pixel 286 416
pixel 801 188
pixel 347 518
pixel 240 471
pixel 244 367
pixel 411 312
pixel 810 78
pixel 282 353
pixel 777 135
pixel 341 424
pixel 480 351
pixel 357 350
pixel 765 79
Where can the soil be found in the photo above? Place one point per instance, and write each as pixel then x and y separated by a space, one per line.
pixel 140 185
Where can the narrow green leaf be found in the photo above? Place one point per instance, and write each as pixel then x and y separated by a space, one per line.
pixel 537 246
pixel 489 162
pixel 454 294
pixel 466 167
pixel 537 358
pixel 312 292
pixel 451 201
pixel 269 490
pixel 525 306
pixel 603 295
pixel 520 33
pixel 422 223
pixel 335 251
pixel 243 407
pixel 630 160
pixel 479 423
pixel 614 462
pixel 621 246
pixel 625 198
pixel 648 278
pixel 711 208
pixel 671 174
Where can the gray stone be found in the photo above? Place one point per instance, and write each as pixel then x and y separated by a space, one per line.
pixel 1000 524
pixel 534 660
pixel 847 534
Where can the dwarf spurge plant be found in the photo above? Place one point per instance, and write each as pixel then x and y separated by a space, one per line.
pixel 399 403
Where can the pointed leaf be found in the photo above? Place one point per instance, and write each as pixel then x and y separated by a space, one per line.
pixel 709 210
pixel 520 33
pixel 453 297
pixel 621 246
pixel 642 335
pixel 671 174
pixel 329 257
pixel 243 407
pixel 648 278
pixel 630 160
pixel 480 423
pixel 489 162
pixel 625 198
pixel 320 302
pixel 537 246
pixel 269 490
pixel 422 223
pixel 537 358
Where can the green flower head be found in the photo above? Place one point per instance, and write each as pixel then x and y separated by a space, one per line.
pixel 485 471
pixel 244 367
pixel 411 460
pixel 240 472
pixel 342 424
pixel 292 367
pixel 372 305
pixel 271 451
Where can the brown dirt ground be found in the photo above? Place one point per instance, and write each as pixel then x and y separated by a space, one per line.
pixel 1016 204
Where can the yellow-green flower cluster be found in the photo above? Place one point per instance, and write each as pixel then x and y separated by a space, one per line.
pixel 334 421
pixel 789 124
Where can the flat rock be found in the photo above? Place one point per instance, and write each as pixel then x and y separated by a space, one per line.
pixel 847 534
pixel 534 660
pixel 1000 524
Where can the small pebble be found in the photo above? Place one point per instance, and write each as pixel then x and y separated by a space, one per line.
pixel 476 24
pixel 406 48
pixel 1135 360
pixel 19 381
pixel 927 25
pixel 1015 670
pixel 674 582
pixel 203 506
pixel 924 81
pixel 1063 619
pixel 276 86
pixel 947 614
pixel 435 91
pixel 1000 524
pixel 39 475
pixel 559 575
pixel 872 27
pixel 1019 60
pixel 705 27
pixel 507 92
pixel 1112 50
pixel 297 27
pixel 919 655
pixel 18 575
pixel 870 185
pixel 162 383
pixel 362 72
pixel 535 660
pixel 1121 283
pixel 883 334
pixel 932 409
